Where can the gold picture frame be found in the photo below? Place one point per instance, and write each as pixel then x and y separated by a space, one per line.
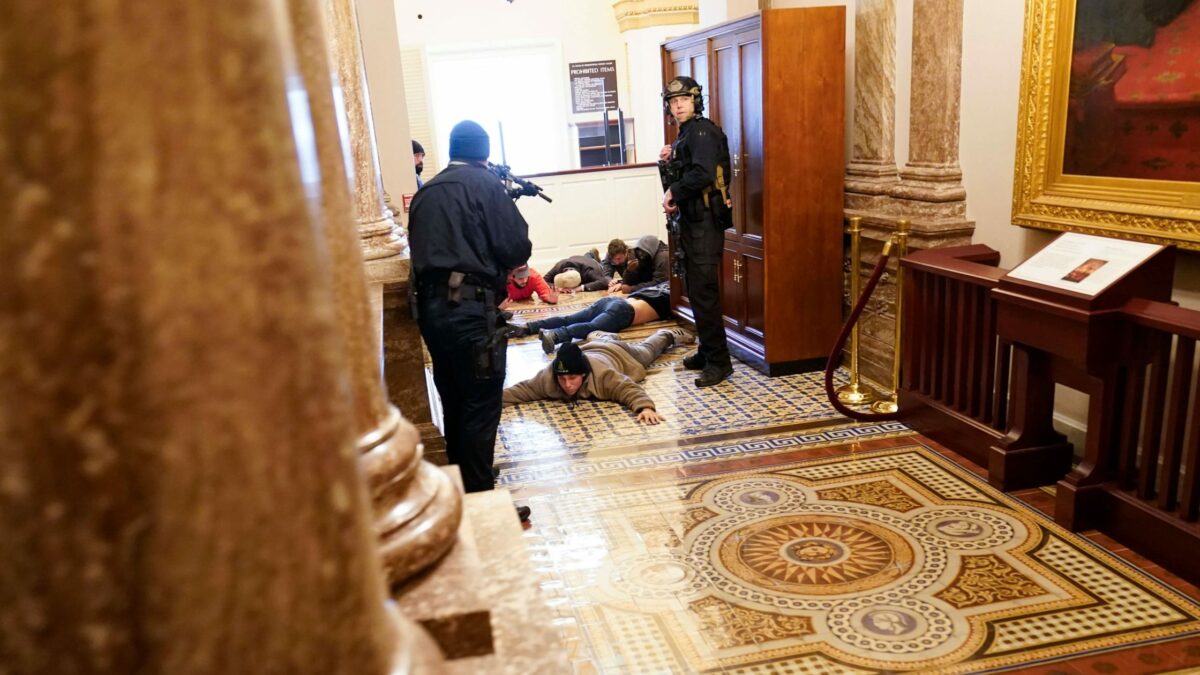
pixel 1158 211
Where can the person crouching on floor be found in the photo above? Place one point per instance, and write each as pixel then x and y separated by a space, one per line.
pixel 600 370
pixel 523 282
pixel 611 314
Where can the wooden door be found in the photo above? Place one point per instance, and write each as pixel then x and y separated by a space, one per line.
pixel 750 146
pixel 726 112
pixel 690 61
pixel 732 303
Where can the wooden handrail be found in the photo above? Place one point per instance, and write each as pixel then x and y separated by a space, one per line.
pixel 974 264
pixel 1163 316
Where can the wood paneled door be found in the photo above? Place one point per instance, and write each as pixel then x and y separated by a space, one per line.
pixel 773 81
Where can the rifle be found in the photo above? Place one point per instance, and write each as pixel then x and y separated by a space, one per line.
pixel 525 188
pixel 669 172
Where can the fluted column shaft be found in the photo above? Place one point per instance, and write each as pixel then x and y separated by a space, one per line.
pixel 418 508
pixel 179 493
pixel 381 238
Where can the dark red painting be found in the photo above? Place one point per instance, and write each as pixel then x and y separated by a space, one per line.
pixel 1134 105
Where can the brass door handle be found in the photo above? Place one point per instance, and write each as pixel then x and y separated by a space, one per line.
pixel 734 158
pixel 737 271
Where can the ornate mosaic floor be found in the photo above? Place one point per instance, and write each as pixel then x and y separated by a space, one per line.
pixel 756 531
pixel 894 560
pixel 749 400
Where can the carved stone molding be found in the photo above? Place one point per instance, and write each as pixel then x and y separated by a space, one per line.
pixel 634 14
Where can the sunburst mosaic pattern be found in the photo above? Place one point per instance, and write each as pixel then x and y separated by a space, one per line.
pixel 816 567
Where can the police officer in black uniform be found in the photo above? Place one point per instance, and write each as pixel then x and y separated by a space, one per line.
pixel 465 235
pixel 698 193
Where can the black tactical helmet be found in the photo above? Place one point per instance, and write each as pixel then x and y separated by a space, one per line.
pixel 683 86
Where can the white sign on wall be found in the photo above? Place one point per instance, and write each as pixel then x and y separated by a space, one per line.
pixel 593 86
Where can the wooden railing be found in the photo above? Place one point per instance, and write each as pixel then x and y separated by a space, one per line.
pixel 1157 455
pixel 966 387
pixel 954 382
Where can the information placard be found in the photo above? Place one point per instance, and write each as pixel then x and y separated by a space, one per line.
pixel 593 86
pixel 1083 263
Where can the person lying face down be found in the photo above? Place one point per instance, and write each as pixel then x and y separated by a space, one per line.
pixel 523 282
pixel 611 314
pixel 600 370
pixel 649 265
pixel 582 271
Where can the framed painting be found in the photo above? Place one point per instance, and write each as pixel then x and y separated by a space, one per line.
pixel 1108 128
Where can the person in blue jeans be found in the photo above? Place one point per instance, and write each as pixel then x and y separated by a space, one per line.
pixel 611 314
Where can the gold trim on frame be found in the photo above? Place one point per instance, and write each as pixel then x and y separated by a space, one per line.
pixel 1158 211
pixel 634 14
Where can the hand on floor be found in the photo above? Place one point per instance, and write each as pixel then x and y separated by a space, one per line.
pixel 649 416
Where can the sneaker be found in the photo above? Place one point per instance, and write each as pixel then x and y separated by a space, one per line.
pixel 713 375
pixel 682 337
pixel 695 361
pixel 523 512
pixel 595 253
pixel 547 338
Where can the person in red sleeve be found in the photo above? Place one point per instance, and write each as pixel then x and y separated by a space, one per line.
pixel 523 283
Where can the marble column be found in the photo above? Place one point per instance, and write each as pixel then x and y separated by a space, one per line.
pixel 180 490
pixel 930 191
pixel 417 506
pixel 872 169
pixel 381 237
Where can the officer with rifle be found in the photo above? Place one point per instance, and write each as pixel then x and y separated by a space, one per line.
pixel 465 235
pixel 695 173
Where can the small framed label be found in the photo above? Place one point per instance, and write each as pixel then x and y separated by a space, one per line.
pixel 1083 263
pixel 407 201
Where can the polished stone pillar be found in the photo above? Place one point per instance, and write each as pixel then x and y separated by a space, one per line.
pixel 417 506
pixel 928 190
pixel 872 170
pixel 931 181
pixel 180 491
pixel 381 237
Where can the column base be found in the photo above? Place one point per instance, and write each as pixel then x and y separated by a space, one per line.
pixel 417 508
pixel 381 238
pixel 483 604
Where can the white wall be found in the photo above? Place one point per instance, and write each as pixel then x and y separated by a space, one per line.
pixel 645 79
pixel 586 30
pixel 385 82
pixel 590 209
pixel 713 12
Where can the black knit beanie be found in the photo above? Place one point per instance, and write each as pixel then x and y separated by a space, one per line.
pixel 571 361
pixel 417 147
pixel 469 142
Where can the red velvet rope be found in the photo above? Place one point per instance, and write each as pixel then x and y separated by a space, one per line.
pixel 841 343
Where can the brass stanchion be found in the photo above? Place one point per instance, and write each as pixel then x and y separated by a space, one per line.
pixel 889 404
pixel 855 393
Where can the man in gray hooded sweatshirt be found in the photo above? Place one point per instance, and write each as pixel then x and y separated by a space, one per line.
pixel 653 265
pixel 600 370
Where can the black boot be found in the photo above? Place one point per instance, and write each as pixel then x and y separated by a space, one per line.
pixel 523 513
pixel 713 375
pixel 695 361
pixel 512 331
